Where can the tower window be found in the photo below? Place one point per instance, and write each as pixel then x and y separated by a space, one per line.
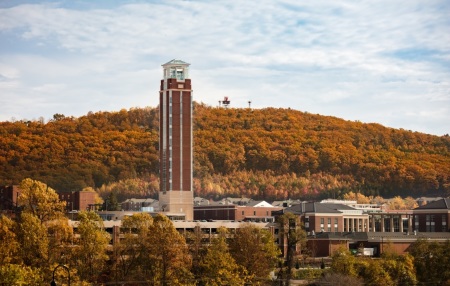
pixel 180 75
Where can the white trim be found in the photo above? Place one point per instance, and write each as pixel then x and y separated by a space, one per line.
pixel 191 110
pixel 181 140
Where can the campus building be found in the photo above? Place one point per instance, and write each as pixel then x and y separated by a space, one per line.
pixel 75 201
pixel 329 217
pixel 250 211
pixel 433 216
pixel 8 198
pixel 78 201
pixel 175 140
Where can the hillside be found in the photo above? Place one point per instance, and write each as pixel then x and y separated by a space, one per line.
pixel 263 153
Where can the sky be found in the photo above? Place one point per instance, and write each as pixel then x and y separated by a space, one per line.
pixel 374 61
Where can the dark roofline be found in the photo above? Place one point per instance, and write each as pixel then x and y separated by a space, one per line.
pixel 436 205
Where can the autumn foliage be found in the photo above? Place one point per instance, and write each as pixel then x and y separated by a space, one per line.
pixel 260 153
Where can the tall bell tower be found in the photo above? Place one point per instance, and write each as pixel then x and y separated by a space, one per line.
pixel 175 140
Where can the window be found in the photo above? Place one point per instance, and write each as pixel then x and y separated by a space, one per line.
pixel 432 224
pixel 444 223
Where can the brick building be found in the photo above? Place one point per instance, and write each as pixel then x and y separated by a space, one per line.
pixel 8 197
pixel 78 201
pixel 433 216
pixel 329 217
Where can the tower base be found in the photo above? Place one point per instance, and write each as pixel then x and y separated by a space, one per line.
pixel 178 202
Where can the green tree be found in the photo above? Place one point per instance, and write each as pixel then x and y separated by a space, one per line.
pixel 254 249
pixel 293 242
pixel 396 203
pixel 14 274
pixel 219 266
pixel 9 246
pixel 168 255
pixel 40 200
pixel 43 232
pixel 375 274
pixel 400 269
pixel 328 155
pixel 344 262
pixel 338 279
pixel 112 204
pixel 197 250
pixel 358 197
pixel 431 261
pixel 131 252
pixel 89 254
pixel 60 239
pixel 33 239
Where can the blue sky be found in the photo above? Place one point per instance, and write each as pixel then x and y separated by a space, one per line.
pixel 380 61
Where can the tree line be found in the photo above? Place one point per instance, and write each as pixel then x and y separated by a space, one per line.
pixel 150 250
pixel 260 153
pixel 427 263
pixel 38 240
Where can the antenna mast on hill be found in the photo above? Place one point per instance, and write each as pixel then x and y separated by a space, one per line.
pixel 225 101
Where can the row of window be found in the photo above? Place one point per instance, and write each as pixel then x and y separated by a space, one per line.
pixel 254 213
pixel 430 223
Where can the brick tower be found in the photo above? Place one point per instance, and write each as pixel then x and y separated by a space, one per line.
pixel 175 140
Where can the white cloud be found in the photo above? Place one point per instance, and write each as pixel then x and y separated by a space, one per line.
pixel 374 61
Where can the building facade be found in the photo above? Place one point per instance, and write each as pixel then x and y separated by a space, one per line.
pixel 433 217
pixel 175 140
pixel 8 197
pixel 330 217
pixel 78 201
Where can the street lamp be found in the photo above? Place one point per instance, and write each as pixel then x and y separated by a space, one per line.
pixel 53 283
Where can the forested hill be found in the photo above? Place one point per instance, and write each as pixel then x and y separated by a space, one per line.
pixel 261 153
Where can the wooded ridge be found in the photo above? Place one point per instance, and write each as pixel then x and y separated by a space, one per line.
pixel 265 154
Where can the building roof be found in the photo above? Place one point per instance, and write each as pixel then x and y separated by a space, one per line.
pixel 148 200
pixel 259 204
pixel 213 206
pixel 428 199
pixel 315 207
pixel 175 62
pixel 285 203
pixel 404 236
pixel 237 201
pixel 360 236
pixel 379 237
pixel 198 201
pixel 442 204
